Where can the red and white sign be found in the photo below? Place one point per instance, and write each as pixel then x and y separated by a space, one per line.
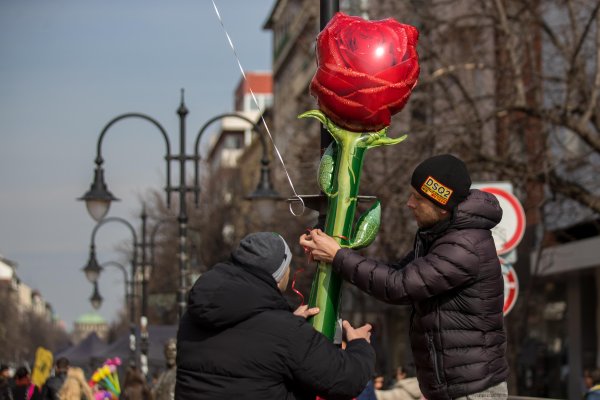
pixel 509 232
pixel 511 286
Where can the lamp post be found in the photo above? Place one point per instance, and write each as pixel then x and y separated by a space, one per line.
pixel 264 195
pixel 98 198
pixel 128 283
pixel 96 298
pixel 93 269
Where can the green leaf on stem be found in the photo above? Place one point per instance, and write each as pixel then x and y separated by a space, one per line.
pixel 367 227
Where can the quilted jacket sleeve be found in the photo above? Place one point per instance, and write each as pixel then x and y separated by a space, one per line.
pixel 450 263
pixel 327 370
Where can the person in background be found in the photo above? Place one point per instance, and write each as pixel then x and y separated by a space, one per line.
pixel 135 387
pixel 239 338
pixel 5 390
pixel 593 392
pixel 406 387
pixel 75 386
pixel 164 389
pixel 55 382
pixel 24 389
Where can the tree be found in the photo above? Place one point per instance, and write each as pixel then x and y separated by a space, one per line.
pixel 23 331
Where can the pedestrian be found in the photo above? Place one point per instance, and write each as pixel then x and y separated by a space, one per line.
pixel 75 386
pixel 405 387
pixel 593 392
pixel 5 390
pixel 164 389
pixel 239 338
pixel 451 277
pixel 55 382
pixel 24 389
pixel 134 386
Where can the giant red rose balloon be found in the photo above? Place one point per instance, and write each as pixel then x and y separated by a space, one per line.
pixel 366 71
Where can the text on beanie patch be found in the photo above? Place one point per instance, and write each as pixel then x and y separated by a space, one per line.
pixel 436 190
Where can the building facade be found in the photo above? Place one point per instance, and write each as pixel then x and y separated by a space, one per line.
pixel 88 323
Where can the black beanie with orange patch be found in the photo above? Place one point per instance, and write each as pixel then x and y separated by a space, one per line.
pixel 443 180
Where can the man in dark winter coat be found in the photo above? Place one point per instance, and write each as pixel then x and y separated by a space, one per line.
pixel 239 339
pixel 452 279
pixel 55 382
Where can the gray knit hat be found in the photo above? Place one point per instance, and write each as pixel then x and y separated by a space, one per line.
pixel 265 250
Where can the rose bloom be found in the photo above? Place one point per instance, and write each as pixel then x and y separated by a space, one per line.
pixel 366 71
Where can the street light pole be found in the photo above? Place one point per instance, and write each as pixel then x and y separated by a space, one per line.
pixel 182 218
pixel 144 317
pixel 93 269
pixel 96 299
pixel 98 198
pixel 128 286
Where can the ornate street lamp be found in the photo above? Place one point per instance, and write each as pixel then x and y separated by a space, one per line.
pixel 264 196
pixel 128 283
pixel 129 300
pixel 93 270
pixel 96 299
pixel 98 198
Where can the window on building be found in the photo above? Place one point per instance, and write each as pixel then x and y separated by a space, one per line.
pixel 233 142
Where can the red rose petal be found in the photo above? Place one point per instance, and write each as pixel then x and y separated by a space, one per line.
pixel 358 80
pixel 406 71
pixel 349 114
pixel 334 82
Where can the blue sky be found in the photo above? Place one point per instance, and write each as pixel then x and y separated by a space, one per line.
pixel 66 68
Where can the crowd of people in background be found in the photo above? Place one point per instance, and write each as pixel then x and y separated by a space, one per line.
pixel 68 383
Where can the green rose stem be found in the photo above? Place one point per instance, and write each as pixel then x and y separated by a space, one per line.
pixel 340 182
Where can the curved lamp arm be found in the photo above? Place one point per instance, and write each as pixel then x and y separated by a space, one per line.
pixel 98 198
pixel 265 154
pixel 122 268
pixel 93 263
pixel 128 285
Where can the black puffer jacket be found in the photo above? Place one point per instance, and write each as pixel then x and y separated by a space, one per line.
pixel 239 339
pixel 52 386
pixel 454 282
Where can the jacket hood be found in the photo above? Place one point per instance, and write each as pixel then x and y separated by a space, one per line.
pixel 230 293
pixel 480 210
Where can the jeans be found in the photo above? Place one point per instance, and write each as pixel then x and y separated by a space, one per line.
pixel 498 392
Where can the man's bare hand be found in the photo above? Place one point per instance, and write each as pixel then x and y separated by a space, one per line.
pixel 319 245
pixel 305 312
pixel 364 332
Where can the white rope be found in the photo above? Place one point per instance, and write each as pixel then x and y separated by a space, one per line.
pixel 261 113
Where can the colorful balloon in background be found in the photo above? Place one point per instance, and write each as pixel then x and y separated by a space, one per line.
pixel 105 380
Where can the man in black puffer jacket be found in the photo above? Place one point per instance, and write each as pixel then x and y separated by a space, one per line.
pixel 452 278
pixel 239 339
